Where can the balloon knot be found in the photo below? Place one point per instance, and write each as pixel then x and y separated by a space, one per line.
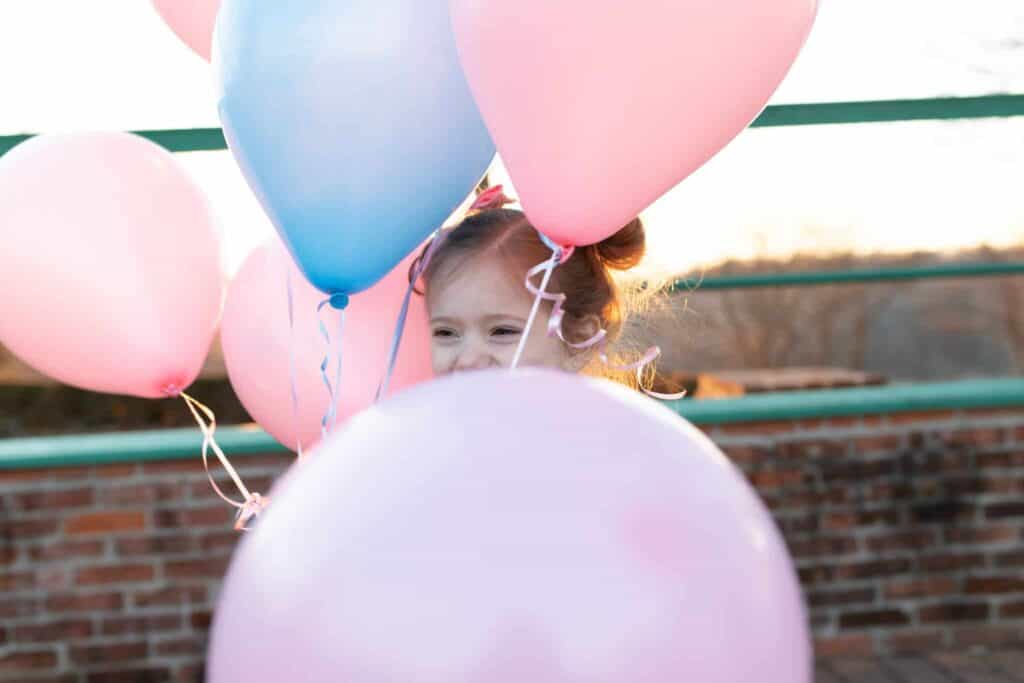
pixel 339 301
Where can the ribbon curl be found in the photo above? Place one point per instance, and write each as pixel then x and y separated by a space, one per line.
pixel 561 254
pixel 252 504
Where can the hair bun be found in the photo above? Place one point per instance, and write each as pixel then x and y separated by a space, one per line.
pixel 625 249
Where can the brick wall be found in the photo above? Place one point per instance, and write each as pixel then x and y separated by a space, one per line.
pixel 907 533
pixel 108 574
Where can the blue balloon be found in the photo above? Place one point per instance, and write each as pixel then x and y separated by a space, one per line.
pixel 354 125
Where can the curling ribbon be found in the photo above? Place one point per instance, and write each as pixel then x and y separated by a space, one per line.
pixel 252 504
pixel 599 340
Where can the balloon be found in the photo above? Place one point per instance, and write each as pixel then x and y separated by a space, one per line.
pixel 260 346
pixel 110 274
pixel 501 527
pixel 599 107
pixel 353 124
pixel 192 21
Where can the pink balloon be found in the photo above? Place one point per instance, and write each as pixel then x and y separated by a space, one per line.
pixel 503 527
pixel 599 107
pixel 192 21
pixel 257 341
pixel 110 274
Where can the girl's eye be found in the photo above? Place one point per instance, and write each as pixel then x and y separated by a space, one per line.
pixel 444 333
pixel 506 331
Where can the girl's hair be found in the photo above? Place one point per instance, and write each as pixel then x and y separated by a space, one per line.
pixel 591 292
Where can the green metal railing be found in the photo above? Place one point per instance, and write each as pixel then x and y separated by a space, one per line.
pixel 184 444
pixel 47 452
pixel 882 111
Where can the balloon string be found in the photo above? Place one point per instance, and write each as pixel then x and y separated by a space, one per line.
pixel 253 503
pixel 333 351
pixel 291 360
pixel 396 338
pixel 547 268
pixel 599 339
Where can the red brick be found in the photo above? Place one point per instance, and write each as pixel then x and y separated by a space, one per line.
pixel 63 550
pixel 1000 460
pixel 848 645
pixel 210 568
pixel 151 675
pixel 119 573
pixel 879 442
pixel 847 596
pixel 873 618
pixel 954 611
pixel 771 479
pixel 218 515
pixel 180 646
pixel 117 471
pixel 119 626
pixel 13 608
pixel 823 545
pixel 1014 558
pixel 982 535
pixel 1004 510
pixel 154 545
pixel 862 518
pixel 994 584
pixel 943 512
pixel 138 494
pixel 905 642
pixel 745 455
pixel 190 673
pixel 1012 610
pixel 52 500
pixel 15 530
pixel 974 485
pixel 986 634
pixel 15 476
pixel 20 662
pixel 107 522
pixel 756 428
pixel 95 602
pixel 921 587
pixel 170 596
pixel 53 631
pixel 71 473
pixel 890 491
pixel 951 562
pixel 907 540
pixel 874 568
pixel 975 437
pixel 10 583
pixel 201 620
pixel 201 490
pixel 190 466
pixel 53 577
pixel 107 654
pixel 910 417
pixel 225 540
pixel 8 555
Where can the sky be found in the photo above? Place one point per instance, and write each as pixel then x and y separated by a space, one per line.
pixel 113 65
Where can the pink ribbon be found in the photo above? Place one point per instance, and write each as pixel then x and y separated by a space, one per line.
pixel 252 504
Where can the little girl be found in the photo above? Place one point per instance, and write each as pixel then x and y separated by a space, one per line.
pixel 479 307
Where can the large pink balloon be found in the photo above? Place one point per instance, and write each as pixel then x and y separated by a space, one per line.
pixel 504 527
pixel 257 343
pixel 598 107
pixel 192 20
pixel 110 275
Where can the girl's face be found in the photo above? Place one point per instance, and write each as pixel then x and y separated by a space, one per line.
pixel 478 311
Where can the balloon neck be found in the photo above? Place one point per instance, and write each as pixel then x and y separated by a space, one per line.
pixel 339 301
pixel 171 390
